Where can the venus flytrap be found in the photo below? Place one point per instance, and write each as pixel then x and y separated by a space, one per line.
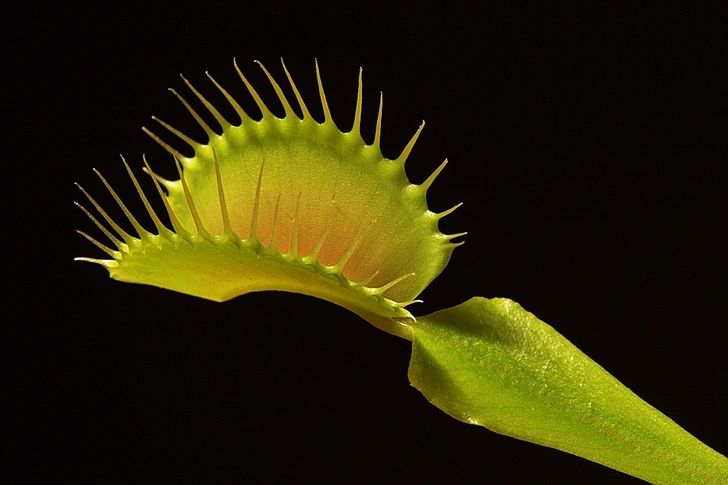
pixel 292 204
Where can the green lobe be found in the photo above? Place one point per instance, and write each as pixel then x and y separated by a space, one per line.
pixel 340 191
pixel 491 363
pixel 288 204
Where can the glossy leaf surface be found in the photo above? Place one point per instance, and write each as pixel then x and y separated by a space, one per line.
pixel 492 363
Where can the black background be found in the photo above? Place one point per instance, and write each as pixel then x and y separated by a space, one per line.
pixel 589 145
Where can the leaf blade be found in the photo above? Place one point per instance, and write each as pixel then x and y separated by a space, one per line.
pixel 492 363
